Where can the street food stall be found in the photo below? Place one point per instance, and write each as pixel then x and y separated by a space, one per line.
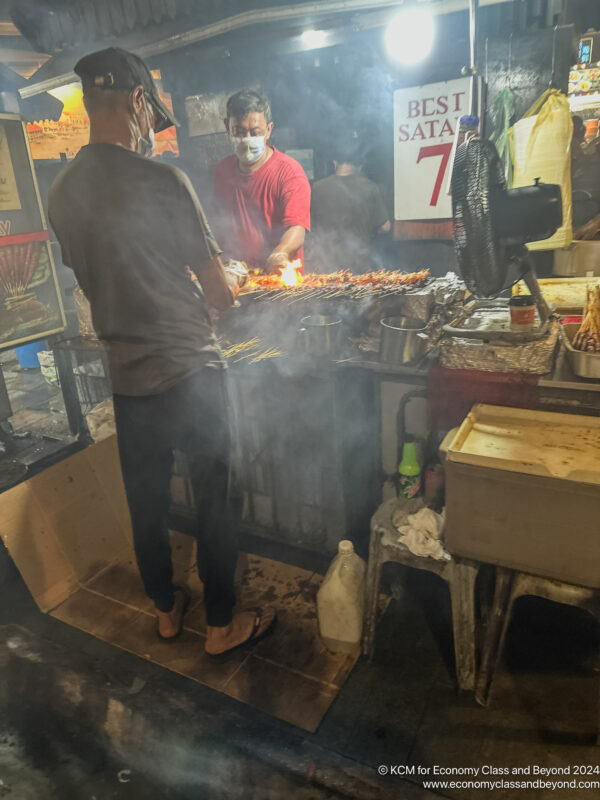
pixel 323 367
pixel 310 362
pixel 314 357
pixel 303 360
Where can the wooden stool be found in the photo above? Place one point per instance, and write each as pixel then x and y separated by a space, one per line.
pixel 511 585
pixel 459 574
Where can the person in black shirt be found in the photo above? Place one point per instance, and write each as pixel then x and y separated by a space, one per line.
pixel 347 213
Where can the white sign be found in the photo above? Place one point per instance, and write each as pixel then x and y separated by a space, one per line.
pixel 425 119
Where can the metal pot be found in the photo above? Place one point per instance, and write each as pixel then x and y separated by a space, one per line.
pixel 402 340
pixel 321 335
pixel 579 259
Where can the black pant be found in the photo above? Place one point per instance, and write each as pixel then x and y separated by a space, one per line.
pixel 194 417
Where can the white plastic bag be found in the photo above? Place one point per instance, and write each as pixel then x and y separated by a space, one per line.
pixel 541 148
pixel 101 420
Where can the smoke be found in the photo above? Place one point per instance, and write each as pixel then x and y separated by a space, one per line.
pixel 328 249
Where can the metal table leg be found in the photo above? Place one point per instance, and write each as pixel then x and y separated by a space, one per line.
pixel 495 633
pixel 66 379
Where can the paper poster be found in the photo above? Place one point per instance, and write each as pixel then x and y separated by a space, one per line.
pixel 30 301
pixel 49 138
pixel 205 113
pixel 9 193
pixel 425 120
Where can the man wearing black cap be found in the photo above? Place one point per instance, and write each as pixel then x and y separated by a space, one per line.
pixel 133 231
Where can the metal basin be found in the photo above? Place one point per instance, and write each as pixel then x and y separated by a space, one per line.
pixel 320 335
pixel 586 365
pixel 580 259
pixel 402 340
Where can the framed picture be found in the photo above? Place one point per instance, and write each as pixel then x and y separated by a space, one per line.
pixel 30 303
pixel 205 113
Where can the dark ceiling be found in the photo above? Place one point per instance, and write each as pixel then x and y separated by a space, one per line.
pixel 67 29
pixel 55 25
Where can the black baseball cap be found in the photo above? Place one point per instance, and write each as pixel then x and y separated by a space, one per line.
pixel 121 70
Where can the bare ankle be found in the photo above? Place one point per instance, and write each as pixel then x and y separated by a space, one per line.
pixel 219 630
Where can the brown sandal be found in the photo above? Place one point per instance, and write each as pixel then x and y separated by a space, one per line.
pixel 254 635
pixel 186 602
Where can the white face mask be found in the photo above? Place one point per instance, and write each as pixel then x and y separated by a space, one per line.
pixel 248 150
pixel 146 146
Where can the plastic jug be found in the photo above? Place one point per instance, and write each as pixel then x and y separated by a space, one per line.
pixel 341 600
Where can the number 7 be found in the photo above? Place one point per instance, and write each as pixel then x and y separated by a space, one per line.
pixel 444 151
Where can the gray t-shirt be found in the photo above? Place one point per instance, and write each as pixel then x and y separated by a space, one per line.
pixel 128 227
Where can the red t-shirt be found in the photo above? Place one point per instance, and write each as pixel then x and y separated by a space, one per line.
pixel 255 208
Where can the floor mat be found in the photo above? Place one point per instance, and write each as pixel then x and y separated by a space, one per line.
pixel 290 674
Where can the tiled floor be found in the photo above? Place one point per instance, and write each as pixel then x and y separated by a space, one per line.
pixel 290 674
pixel 401 708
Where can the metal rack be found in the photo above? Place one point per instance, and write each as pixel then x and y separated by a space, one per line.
pixel 82 369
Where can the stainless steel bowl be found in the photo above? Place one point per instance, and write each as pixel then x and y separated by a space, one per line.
pixel 586 365
pixel 402 340
pixel 321 335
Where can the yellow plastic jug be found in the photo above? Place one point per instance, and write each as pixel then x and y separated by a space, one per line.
pixel 341 600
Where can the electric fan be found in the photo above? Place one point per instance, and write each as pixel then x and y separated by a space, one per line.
pixel 492 224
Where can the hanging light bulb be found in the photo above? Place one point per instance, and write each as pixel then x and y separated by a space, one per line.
pixel 313 39
pixel 409 35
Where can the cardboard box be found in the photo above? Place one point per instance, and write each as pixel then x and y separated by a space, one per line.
pixel 538 512
pixel 68 523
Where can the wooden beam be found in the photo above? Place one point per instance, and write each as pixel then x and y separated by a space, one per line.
pixel 23 62
pixel 8 29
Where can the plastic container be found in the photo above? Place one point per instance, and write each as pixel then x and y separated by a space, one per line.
pixel 341 600
pixel 581 259
pixel 409 472
pixel 46 359
pixel 27 354
pixel 522 312
pixel 523 491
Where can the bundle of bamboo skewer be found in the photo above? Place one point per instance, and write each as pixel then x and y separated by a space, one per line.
pixel 587 338
pixel 252 349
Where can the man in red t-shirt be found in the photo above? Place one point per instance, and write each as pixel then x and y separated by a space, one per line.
pixel 262 196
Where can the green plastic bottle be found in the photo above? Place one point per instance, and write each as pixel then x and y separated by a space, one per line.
pixel 409 472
